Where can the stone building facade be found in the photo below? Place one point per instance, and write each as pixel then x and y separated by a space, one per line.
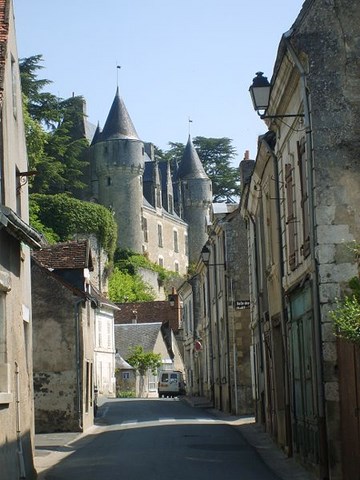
pixel 301 207
pixel 16 240
pixel 64 313
pixel 216 324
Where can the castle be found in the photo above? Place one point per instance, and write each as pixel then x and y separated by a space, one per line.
pixel 159 212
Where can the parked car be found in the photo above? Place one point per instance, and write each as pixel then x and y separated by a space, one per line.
pixel 171 384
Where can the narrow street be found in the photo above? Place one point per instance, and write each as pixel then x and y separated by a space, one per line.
pixel 158 439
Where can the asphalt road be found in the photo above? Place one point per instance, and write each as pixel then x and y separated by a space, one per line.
pixel 160 439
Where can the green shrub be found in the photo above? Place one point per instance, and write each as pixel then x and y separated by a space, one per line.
pixel 125 394
pixel 346 317
pixel 66 216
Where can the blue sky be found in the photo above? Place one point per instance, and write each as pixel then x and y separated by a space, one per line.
pixel 179 59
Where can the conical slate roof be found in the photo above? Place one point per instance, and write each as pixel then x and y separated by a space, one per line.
pixel 97 135
pixel 190 165
pixel 118 123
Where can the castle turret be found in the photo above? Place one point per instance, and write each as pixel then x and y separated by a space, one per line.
pixel 117 159
pixel 194 198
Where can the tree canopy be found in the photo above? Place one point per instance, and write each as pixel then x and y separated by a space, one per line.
pixel 143 361
pixel 55 136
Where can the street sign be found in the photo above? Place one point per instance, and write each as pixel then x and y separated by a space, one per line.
pixel 241 304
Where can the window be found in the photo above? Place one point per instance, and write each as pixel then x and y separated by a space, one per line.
pixel 186 242
pixel 160 235
pixel 176 241
pixel 170 204
pixel 176 267
pixel 99 334
pixel 126 375
pixel 108 334
pixel 108 181
pixel 302 161
pixel 161 261
pixel 158 197
pixel 290 218
pixel 145 229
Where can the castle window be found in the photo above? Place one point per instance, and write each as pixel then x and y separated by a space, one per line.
pixel 161 261
pixel 145 229
pixel 160 235
pixel 171 204
pixel 176 241
pixel 186 245
pixel 108 181
pixel 158 198
pixel 176 267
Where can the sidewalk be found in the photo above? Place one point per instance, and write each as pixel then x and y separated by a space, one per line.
pixel 51 448
pixel 286 468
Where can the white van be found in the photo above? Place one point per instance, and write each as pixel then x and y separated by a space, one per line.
pixel 171 383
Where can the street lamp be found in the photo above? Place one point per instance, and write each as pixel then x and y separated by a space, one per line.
pixel 260 95
pixel 205 257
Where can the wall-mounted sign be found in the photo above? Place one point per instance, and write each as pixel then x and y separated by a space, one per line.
pixel 241 304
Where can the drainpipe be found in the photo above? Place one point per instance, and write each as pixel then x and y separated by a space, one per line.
pixel 283 306
pixel 20 450
pixel 257 270
pixel 315 282
pixel 226 319
pixel 77 360
pixel 211 345
pixel 234 348
pixel 218 333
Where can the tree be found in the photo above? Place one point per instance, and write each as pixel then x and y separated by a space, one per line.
pixel 129 287
pixel 43 107
pixel 142 362
pixel 55 135
pixel 216 155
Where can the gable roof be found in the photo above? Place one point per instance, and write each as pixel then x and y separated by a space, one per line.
pixel 131 335
pixel 45 271
pixel 68 255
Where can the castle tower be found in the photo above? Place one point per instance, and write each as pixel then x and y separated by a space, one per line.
pixel 194 198
pixel 117 158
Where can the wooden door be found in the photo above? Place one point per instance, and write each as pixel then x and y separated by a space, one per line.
pixel 349 377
